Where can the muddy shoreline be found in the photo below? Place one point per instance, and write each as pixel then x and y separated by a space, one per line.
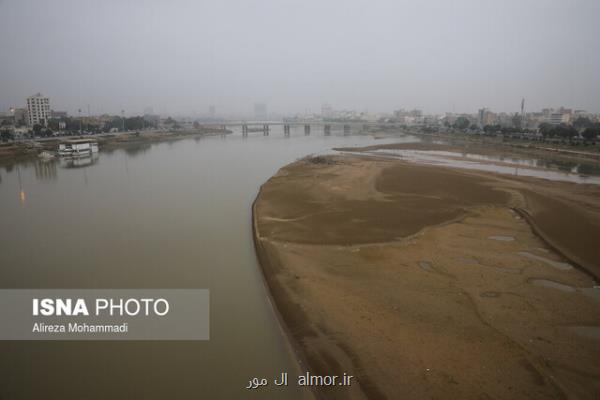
pixel 318 241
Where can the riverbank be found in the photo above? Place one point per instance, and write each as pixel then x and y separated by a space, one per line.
pixel 26 150
pixel 429 282
pixel 576 151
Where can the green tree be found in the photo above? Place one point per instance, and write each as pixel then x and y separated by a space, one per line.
pixel 582 123
pixel 37 128
pixel 461 123
pixel 565 131
pixel 591 133
pixel 546 129
pixel 516 121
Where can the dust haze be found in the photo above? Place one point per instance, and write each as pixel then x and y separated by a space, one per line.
pixel 181 57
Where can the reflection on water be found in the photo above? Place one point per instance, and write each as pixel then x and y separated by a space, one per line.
pixel 45 170
pixel 166 215
pixel 137 149
pixel 79 162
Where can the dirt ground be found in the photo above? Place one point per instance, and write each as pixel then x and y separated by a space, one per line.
pixel 434 283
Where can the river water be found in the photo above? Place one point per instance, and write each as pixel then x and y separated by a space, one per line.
pixel 168 215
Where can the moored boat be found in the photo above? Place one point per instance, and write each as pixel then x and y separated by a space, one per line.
pixel 77 147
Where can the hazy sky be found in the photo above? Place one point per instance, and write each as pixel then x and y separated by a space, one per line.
pixel 181 56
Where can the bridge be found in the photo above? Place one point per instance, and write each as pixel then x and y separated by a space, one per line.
pixel 265 126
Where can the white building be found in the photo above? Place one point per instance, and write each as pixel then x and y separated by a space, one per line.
pixel 38 109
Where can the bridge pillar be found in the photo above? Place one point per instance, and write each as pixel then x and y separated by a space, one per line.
pixel 266 130
pixel 286 130
pixel 307 129
pixel 346 128
pixel 327 130
pixel 244 130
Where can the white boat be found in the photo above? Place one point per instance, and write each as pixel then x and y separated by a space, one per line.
pixel 77 147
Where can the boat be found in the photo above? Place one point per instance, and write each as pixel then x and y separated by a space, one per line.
pixel 77 147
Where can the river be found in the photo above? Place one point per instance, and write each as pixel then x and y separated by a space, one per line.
pixel 167 215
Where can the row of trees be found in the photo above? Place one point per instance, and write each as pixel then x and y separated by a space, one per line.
pixel 564 131
pixel 75 125
pixel 581 126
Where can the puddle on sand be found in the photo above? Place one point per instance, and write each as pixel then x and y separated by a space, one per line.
pixel 593 292
pixel 426 266
pixel 556 264
pixel 502 238
pixel 551 284
pixel 473 261
pixel 592 332
pixel 489 294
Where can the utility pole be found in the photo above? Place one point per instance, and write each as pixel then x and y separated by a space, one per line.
pixel 80 131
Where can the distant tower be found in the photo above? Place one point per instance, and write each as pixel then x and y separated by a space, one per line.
pixel 523 112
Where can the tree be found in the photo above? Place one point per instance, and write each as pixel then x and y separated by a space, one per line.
pixel 461 123
pixel 516 120
pixel 565 131
pixel 492 128
pixel 582 123
pixel 6 135
pixel 134 123
pixel 546 129
pixel 37 128
pixel 592 132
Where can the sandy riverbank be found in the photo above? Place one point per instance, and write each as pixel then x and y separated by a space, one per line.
pixel 426 282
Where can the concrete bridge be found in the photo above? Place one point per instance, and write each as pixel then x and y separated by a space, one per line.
pixel 265 126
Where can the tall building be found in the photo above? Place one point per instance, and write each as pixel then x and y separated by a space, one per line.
pixel 485 117
pixel 260 111
pixel 38 109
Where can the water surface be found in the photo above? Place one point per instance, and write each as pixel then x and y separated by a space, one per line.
pixel 168 215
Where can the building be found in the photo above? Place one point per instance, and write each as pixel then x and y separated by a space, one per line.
pixel 38 109
pixel 557 117
pixel 58 114
pixel 485 117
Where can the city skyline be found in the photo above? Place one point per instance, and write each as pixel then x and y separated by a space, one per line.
pixel 326 108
